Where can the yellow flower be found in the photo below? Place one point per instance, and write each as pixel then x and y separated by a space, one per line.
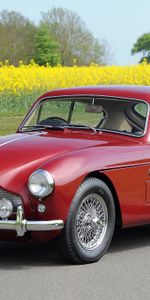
pixel 33 78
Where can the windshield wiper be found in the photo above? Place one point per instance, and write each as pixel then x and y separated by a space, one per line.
pixel 62 127
pixel 41 127
pixel 81 126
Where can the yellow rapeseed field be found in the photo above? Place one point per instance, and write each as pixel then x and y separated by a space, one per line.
pixel 20 86
pixel 31 78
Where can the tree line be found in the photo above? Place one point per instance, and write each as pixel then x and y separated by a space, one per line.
pixel 142 46
pixel 61 37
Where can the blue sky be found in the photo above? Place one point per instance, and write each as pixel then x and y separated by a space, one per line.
pixel 119 22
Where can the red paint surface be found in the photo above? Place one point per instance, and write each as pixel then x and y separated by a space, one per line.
pixel 71 155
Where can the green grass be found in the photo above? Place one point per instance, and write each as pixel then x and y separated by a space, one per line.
pixel 12 111
pixel 9 124
pixel 16 104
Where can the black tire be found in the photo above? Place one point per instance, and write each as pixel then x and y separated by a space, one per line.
pixel 93 208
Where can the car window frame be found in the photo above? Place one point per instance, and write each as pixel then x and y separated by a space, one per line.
pixel 105 97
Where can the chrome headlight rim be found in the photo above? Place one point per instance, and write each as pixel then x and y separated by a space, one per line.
pixel 49 183
pixel 6 209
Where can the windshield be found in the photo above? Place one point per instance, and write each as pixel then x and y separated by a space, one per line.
pixel 128 117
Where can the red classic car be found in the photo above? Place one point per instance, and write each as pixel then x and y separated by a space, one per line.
pixel 78 166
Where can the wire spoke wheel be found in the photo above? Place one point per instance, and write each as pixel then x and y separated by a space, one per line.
pixel 91 221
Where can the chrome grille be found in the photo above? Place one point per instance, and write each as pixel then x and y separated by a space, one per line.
pixel 15 200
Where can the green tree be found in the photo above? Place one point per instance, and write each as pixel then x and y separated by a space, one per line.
pixel 142 46
pixel 76 42
pixel 17 37
pixel 46 49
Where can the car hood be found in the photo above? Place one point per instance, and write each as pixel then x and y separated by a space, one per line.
pixel 22 153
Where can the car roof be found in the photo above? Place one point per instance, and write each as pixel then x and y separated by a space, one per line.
pixel 120 91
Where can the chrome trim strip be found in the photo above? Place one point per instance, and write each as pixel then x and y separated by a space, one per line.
pixel 21 225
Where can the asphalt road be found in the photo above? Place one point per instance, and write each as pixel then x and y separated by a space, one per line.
pixel 38 272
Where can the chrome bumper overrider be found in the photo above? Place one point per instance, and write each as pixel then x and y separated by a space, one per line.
pixel 21 225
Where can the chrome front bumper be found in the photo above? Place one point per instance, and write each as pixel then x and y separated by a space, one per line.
pixel 21 225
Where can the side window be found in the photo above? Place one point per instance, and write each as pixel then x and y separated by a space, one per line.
pixel 141 109
pixel 136 116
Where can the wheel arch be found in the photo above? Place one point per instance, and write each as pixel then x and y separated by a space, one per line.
pixel 108 182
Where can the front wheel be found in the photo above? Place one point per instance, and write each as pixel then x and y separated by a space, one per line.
pixel 90 223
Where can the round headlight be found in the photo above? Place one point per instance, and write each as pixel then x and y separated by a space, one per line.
pixel 6 208
pixel 41 183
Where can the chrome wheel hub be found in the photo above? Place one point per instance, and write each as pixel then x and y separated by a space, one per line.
pixel 91 221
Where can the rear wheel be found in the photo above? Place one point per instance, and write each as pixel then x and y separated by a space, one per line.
pixel 90 223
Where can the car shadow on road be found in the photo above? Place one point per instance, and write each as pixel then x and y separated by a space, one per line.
pixel 131 238
pixel 18 255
